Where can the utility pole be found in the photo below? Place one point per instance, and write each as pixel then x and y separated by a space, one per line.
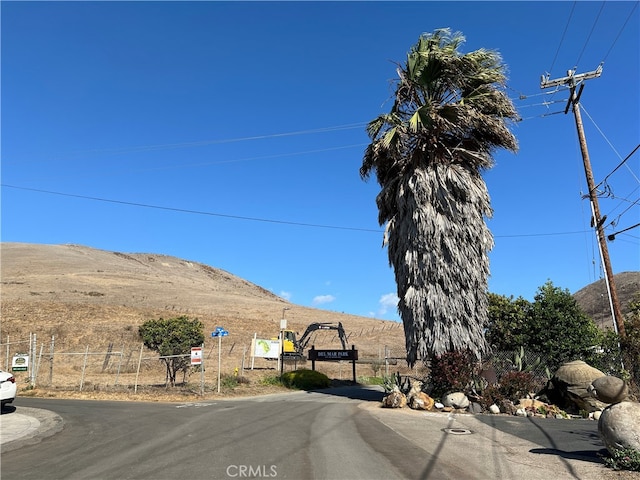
pixel 572 81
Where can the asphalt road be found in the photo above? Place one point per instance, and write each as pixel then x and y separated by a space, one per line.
pixel 338 435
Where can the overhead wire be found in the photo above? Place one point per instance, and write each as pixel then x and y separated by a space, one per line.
pixel 555 57
pixel 199 143
pixel 246 218
pixel 623 162
pixel 635 5
pixel 595 22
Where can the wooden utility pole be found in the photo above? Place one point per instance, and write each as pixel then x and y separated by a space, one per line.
pixel 572 81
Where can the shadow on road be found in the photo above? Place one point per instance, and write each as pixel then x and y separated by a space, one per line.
pixel 355 392
pixel 584 455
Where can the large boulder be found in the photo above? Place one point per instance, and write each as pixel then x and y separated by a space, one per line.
pixel 568 388
pixel 609 389
pixel 619 426
pixel 455 400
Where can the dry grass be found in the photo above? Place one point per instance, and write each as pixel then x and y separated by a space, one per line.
pixel 82 299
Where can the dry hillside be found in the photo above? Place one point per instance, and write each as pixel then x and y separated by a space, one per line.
pixel 594 300
pixel 88 298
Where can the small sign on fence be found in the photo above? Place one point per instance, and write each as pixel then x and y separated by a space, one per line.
pixel 20 362
pixel 196 355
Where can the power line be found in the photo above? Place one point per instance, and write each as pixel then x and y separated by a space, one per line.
pixel 612 148
pixel 145 148
pixel 590 33
pixel 562 38
pixel 253 219
pixel 624 161
pixel 635 5
pixel 184 210
pixel 613 235
pixel 617 219
pixel 211 163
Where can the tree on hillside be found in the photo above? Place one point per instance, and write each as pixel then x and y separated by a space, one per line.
pixel 450 114
pixel 171 338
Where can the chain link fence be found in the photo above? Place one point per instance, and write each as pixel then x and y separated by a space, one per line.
pixel 52 363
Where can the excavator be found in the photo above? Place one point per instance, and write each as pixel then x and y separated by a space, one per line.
pixel 294 348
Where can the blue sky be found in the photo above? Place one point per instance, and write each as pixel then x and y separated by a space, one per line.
pixel 232 133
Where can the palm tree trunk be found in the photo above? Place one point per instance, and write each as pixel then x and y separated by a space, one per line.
pixel 438 245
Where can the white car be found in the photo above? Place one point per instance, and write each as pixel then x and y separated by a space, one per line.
pixel 7 387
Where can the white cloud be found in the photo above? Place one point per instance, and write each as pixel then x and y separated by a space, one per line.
pixel 286 295
pixel 320 299
pixel 387 301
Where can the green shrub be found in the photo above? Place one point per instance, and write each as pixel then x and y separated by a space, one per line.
pixel 271 380
pixel 371 380
pixel 228 381
pixel 624 459
pixel 305 380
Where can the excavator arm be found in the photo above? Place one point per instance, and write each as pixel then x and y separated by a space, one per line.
pixel 306 337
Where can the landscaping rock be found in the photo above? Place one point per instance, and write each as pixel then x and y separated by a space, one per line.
pixel 494 409
pixel 530 403
pixel 619 426
pixel 507 406
pixel 395 399
pixel 568 388
pixel 609 389
pixel 456 400
pixel 421 401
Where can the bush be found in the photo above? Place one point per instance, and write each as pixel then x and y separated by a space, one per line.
pixel 305 380
pixel 452 371
pixel 516 385
pixel 232 381
pixel 492 395
pixel 371 380
pixel 271 380
pixel 624 459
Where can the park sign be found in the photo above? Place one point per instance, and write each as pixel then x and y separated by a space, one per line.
pixel 264 348
pixel 332 355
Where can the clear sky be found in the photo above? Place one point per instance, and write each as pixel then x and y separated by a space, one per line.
pixel 232 134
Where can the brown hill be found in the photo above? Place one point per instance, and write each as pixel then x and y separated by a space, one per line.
pixel 87 299
pixel 594 300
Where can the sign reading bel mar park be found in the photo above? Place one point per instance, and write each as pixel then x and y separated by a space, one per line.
pixel 333 355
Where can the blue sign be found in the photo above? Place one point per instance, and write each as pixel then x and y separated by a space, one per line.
pixel 219 332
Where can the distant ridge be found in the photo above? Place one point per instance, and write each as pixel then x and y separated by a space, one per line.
pixel 594 300
pixel 79 274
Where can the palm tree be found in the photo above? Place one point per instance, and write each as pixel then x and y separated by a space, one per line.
pixel 449 116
